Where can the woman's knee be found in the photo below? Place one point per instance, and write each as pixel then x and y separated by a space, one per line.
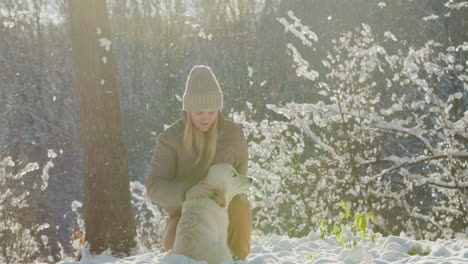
pixel 239 203
pixel 240 226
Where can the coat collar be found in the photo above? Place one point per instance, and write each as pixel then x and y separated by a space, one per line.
pixel 221 119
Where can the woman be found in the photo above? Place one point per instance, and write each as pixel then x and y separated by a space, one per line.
pixel 185 151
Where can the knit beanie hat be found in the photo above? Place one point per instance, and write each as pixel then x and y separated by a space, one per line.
pixel 202 90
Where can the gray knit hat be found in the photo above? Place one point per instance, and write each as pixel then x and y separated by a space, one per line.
pixel 202 90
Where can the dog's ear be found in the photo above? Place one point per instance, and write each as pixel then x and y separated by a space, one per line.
pixel 219 196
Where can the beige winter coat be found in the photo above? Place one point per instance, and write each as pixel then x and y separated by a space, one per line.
pixel 172 169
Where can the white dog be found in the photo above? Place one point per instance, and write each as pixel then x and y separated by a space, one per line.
pixel 201 233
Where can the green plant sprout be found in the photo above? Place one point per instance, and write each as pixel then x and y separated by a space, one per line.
pixel 257 235
pixel 360 223
pixel 310 256
pixel 419 249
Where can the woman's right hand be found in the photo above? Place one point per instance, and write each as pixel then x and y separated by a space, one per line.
pixel 200 190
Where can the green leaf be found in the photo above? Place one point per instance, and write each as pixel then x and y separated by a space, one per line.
pixel 346 206
pixel 372 218
pixel 341 240
pixel 363 234
pixel 342 204
pixel 342 215
pixel 419 249
pixel 360 221
pixel 323 223
pixel 354 243
pixel 336 230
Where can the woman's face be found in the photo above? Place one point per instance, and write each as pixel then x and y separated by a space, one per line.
pixel 203 119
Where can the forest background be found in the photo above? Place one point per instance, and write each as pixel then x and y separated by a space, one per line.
pixel 361 101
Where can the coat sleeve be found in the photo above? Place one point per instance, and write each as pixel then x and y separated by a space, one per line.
pixel 242 155
pixel 160 185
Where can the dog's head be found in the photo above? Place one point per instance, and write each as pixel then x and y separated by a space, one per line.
pixel 227 183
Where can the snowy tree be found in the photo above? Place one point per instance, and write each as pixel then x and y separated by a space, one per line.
pixel 22 231
pixel 387 131
pixel 108 214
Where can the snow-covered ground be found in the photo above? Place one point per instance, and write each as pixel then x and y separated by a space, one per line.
pixel 273 249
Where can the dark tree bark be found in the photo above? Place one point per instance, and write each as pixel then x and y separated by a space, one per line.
pixel 107 208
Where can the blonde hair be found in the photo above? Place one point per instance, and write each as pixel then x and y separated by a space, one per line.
pixel 203 145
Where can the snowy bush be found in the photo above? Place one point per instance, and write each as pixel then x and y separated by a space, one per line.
pixel 148 220
pixel 387 131
pixel 22 232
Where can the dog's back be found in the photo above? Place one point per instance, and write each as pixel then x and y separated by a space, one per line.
pixel 201 232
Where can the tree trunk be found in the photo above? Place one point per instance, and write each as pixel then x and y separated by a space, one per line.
pixel 107 209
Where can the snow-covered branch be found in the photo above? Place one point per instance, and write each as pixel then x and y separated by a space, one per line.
pixel 401 162
pixel 305 126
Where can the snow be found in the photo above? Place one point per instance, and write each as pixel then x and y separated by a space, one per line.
pixel 75 205
pixel 450 4
pixel 302 65
pixel 299 30
pixel 431 17
pixel 105 43
pixel 390 35
pixel 274 249
pixel 8 24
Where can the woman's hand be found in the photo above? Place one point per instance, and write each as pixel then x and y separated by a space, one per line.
pixel 200 190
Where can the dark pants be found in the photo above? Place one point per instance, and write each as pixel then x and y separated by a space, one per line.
pixel 239 229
